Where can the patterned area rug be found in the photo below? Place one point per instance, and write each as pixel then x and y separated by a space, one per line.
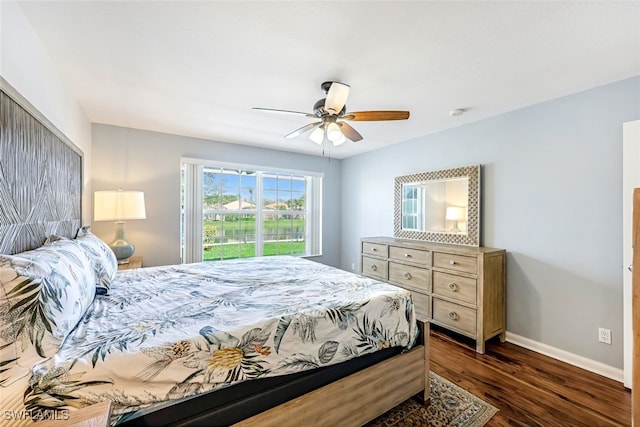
pixel 450 406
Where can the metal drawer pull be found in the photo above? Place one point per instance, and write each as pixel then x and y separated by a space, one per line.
pixel 374 249
pixel 374 267
pixel 453 287
pixel 407 275
pixel 452 262
pixel 453 315
pixel 407 255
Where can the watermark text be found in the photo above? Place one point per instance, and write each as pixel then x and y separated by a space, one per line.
pixel 37 414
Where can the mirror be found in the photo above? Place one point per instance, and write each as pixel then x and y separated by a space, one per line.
pixel 441 206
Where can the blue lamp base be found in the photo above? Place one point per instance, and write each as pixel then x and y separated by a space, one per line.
pixel 122 248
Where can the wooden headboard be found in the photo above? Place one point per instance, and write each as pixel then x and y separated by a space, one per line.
pixel 40 177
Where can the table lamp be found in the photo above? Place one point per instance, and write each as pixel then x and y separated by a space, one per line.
pixel 119 206
pixel 455 214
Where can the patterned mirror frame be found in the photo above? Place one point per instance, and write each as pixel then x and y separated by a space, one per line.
pixel 472 236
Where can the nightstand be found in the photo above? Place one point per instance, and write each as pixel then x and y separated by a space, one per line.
pixel 91 416
pixel 134 262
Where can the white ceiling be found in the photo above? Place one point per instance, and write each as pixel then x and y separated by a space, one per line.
pixel 197 68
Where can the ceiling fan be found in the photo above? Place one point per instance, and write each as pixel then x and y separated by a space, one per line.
pixel 331 112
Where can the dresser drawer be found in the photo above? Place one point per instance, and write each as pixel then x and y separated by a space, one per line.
pixel 421 305
pixel 455 316
pixel 413 277
pixel 415 256
pixel 455 287
pixel 464 264
pixel 374 267
pixel 374 249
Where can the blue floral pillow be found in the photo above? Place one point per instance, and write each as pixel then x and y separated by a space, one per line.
pixel 105 264
pixel 45 292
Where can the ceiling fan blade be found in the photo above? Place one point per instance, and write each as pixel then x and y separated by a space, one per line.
pixel 350 132
pixel 273 110
pixel 303 129
pixel 370 116
pixel 336 97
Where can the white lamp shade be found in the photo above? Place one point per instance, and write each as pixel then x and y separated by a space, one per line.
pixel 118 205
pixel 340 140
pixel 317 135
pixel 336 97
pixel 333 132
pixel 455 213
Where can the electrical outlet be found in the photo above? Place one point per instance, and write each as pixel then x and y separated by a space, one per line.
pixel 604 335
pixel 353 266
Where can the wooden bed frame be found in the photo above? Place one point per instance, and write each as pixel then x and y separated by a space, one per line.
pixel 360 397
pixel 352 400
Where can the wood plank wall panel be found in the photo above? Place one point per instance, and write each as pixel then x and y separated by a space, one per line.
pixel 40 181
pixel 635 310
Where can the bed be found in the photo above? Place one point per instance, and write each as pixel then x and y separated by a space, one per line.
pixel 249 342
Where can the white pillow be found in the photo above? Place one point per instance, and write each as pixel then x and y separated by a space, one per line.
pixel 103 260
pixel 46 294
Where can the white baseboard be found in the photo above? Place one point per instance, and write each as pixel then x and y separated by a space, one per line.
pixel 564 356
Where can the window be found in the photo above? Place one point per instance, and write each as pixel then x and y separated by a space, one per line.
pixel 239 211
pixel 412 198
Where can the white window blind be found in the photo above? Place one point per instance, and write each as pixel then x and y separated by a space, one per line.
pixel 192 212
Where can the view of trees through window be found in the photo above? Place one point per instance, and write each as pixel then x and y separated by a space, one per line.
pixel 253 213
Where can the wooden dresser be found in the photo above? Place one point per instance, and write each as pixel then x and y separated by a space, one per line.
pixel 461 288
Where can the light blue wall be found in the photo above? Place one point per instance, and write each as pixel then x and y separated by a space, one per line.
pixel 551 196
pixel 150 161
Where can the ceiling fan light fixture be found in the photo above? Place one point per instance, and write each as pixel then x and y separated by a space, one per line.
pixel 332 108
pixel 340 140
pixel 317 135
pixel 333 132
pixel 337 95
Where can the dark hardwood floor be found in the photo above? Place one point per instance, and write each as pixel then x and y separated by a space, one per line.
pixel 529 389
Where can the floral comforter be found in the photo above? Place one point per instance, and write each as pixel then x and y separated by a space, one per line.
pixel 174 331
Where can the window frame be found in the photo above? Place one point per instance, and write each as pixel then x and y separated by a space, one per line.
pixel 192 248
